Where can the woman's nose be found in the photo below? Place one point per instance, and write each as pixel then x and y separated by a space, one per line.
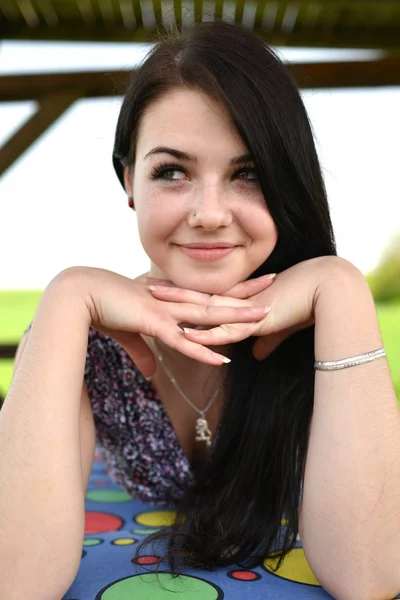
pixel 210 208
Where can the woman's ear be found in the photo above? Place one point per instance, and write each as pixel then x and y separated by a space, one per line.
pixel 128 183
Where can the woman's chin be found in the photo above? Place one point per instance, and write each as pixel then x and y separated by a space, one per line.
pixel 197 281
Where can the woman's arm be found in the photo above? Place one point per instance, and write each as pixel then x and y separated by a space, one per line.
pixel 41 496
pixel 41 488
pixel 350 510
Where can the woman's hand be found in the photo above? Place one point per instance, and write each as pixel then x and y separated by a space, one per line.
pixel 124 308
pixel 291 299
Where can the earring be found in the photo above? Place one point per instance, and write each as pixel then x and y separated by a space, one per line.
pixel 130 202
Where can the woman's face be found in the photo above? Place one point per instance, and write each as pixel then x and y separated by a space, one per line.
pixel 193 182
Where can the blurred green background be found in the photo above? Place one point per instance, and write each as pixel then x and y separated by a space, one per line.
pixel 18 307
pixel 16 312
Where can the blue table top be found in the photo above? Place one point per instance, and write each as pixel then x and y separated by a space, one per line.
pixel 115 523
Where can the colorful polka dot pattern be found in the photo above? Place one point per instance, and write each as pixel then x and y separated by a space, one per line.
pixel 115 523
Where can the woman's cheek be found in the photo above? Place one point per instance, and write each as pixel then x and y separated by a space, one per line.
pixel 155 227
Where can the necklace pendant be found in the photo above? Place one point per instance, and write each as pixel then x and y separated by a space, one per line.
pixel 203 432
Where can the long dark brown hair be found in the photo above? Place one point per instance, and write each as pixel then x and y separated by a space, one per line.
pixel 253 479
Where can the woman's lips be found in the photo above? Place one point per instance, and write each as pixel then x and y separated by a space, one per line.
pixel 206 254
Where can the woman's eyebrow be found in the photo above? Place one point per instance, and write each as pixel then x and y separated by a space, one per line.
pixel 185 156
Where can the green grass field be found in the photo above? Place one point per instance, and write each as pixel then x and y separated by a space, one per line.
pixel 17 309
pixel 16 312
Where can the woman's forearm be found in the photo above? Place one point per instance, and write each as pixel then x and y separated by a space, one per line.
pixel 41 495
pixel 350 512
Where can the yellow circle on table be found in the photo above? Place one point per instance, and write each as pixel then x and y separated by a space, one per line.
pixel 157 518
pixel 294 568
pixel 124 542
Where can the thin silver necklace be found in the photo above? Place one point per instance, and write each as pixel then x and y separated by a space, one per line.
pixel 203 432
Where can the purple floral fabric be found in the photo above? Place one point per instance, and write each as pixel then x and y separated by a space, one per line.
pixel 134 434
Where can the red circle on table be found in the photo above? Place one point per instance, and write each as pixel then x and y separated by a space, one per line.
pixel 147 560
pixel 99 522
pixel 244 575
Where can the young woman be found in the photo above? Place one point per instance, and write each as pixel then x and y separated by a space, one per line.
pixel 241 397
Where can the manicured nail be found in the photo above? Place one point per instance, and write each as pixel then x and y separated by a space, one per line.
pixel 159 288
pixel 261 310
pixel 271 276
pixel 224 359
pixel 191 331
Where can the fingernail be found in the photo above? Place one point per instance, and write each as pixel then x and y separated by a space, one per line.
pixel 271 276
pixel 263 310
pixel 191 331
pixel 225 359
pixel 159 288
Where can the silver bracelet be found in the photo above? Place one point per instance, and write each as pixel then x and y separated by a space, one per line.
pixel 335 365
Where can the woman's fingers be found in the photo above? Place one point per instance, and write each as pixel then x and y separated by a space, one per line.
pixel 224 334
pixel 175 294
pixel 154 281
pixel 242 290
pixel 215 315
pixel 193 349
pixel 246 289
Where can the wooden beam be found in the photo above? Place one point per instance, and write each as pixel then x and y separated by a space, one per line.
pixel 70 86
pixel 95 84
pixel 346 36
pixel 384 72
pixel 79 32
pixel 356 38
pixel 49 110
pixel 375 73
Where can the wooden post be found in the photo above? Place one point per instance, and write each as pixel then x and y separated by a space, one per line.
pixel 49 110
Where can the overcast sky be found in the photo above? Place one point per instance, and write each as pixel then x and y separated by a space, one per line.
pixel 61 204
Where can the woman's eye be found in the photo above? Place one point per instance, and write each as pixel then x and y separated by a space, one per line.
pixel 176 173
pixel 247 174
pixel 169 173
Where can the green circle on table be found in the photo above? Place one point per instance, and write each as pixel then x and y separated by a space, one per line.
pixel 92 542
pixel 108 496
pixel 148 587
pixel 147 531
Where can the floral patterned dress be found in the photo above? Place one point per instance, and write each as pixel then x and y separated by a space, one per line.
pixel 134 434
